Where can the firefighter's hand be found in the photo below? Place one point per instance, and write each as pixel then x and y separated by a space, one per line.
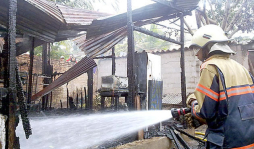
pixel 189 120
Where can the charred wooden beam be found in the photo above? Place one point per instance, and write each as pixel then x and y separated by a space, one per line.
pixel 145 31
pixel 81 100
pixel 90 89
pixel 67 98
pixel 183 79
pixel 102 57
pixel 22 106
pixel 86 101
pixel 11 83
pixel 130 58
pixel 113 61
pixel 44 71
pixel 30 75
pixel 77 99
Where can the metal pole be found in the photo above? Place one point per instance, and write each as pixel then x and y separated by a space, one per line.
pixel 183 80
pixel 130 57
pixel 113 61
pixel 30 75
pixel 11 136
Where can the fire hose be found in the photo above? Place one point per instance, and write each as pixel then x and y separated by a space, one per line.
pixel 183 115
pixel 179 116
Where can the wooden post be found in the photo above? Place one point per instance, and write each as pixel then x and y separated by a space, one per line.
pixel 138 107
pixel 102 102
pixel 90 88
pixel 11 76
pixel 130 58
pixel 183 79
pixel 81 102
pixel 30 86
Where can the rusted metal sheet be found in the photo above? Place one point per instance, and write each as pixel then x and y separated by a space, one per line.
pixel 105 33
pixel 98 45
pixel 47 7
pixel 47 21
pixel 79 16
pixel 78 69
pixel 99 27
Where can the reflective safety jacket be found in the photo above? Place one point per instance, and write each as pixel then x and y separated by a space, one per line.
pixel 225 100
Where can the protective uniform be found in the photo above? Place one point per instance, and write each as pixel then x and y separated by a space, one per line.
pixel 224 94
pixel 230 121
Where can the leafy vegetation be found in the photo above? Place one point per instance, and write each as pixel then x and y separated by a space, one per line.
pixel 58 49
pixel 231 15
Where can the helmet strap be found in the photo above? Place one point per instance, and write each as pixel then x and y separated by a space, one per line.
pixel 205 52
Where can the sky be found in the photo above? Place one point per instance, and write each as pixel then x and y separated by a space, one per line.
pixel 122 6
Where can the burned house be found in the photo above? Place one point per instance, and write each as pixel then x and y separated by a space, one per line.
pixel 26 24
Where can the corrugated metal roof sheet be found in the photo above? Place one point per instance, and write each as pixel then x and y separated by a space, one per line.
pixel 99 27
pixel 47 21
pixel 78 69
pixel 47 7
pixel 79 16
pixel 101 35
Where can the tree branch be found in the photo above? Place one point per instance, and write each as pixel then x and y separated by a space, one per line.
pixel 237 2
pixel 225 19
pixel 213 15
pixel 235 31
pixel 204 12
pixel 189 29
pixel 231 24
pixel 198 19
pixel 202 20
pixel 212 21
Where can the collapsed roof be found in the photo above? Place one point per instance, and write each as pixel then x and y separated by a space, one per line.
pixel 103 34
pixel 46 21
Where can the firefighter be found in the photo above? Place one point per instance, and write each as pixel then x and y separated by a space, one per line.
pixel 224 95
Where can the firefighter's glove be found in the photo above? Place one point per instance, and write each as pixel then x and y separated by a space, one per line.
pixel 188 120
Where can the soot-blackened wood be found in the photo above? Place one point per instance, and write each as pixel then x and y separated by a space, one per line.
pixel 90 89
pixel 113 61
pixel 130 58
pixel 30 81
pixel 11 121
pixel 183 79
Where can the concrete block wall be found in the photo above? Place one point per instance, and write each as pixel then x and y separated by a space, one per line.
pixel 171 71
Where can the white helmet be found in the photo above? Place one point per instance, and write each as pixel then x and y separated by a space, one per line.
pixel 209 34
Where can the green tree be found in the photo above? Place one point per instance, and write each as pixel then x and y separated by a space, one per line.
pixel 145 42
pixel 231 15
pixel 58 49
pixel 150 43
